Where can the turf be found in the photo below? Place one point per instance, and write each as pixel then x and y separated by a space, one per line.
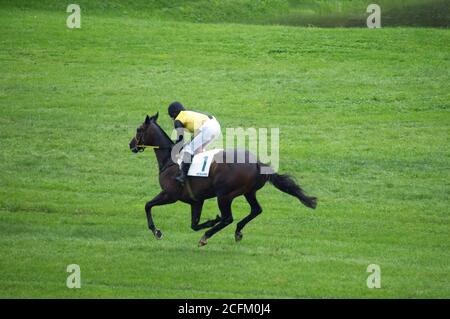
pixel 323 13
pixel 364 126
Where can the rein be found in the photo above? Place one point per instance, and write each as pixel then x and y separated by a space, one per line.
pixel 147 146
pixel 143 146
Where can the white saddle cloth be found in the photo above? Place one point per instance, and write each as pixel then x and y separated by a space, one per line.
pixel 201 163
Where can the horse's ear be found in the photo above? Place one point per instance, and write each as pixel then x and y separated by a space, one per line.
pixel 147 120
pixel 155 117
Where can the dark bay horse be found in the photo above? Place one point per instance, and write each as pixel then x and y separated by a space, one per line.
pixel 226 181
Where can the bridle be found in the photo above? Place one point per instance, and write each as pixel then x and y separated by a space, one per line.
pixel 141 146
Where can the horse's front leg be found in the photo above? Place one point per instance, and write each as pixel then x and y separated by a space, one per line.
pixel 196 212
pixel 160 199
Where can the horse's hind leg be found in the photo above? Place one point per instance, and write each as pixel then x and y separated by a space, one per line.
pixel 255 211
pixel 225 220
pixel 196 211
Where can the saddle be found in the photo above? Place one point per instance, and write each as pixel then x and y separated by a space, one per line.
pixel 201 163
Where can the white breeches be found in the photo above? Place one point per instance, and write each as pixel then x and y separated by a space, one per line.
pixel 205 135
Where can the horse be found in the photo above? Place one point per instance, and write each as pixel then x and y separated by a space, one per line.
pixel 226 181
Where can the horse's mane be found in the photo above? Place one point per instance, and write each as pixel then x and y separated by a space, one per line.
pixel 164 133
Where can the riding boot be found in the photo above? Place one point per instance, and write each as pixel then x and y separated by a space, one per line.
pixel 184 168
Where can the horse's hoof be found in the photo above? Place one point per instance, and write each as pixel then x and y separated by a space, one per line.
pixel 238 236
pixel 158 234
pixel 202 241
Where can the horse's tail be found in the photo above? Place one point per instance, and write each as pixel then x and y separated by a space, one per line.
pixel 287 184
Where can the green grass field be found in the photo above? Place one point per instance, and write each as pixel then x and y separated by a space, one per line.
pixel 364 126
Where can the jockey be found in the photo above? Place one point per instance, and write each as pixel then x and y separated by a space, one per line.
pixel 204 128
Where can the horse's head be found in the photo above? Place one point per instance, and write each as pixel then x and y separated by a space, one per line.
pixel 145 135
